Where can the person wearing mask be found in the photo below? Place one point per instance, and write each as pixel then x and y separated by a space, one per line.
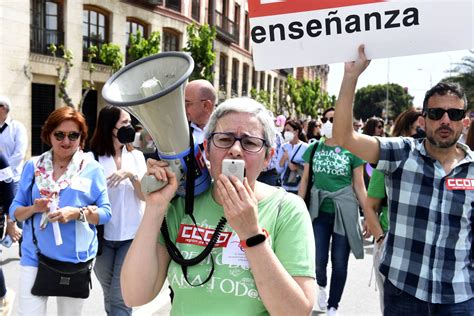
pixel 63 187
pixel 290 161
pixel 123 167
pixel 13 140
pixel 334 209
pixel 273 227
pixel 427 257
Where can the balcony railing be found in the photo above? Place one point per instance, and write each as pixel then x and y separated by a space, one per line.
pixel 41 38
pixel 228 30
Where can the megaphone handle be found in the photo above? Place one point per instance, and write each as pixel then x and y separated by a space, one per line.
pixel 150 184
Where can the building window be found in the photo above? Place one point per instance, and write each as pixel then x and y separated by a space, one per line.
pixel 262 80
pixel 173 5
pixel 245 80
pixel 95 28
pixel 170 40
pixel 196 9
pixel 133 26
pixel 46 26
pixel 269 83
pixel 43 97
pixel 235 77
pixel 247 32
pixel 223 72
pixel 254 79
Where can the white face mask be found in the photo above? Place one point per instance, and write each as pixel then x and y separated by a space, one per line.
pixel 326 129
pixel 288 136
pixel 84 238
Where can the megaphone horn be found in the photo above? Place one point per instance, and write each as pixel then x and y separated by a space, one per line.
pixel 152 90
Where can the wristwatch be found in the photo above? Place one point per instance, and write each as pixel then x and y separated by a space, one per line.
pixel 134 178
pixel 82 216
pixel 255 240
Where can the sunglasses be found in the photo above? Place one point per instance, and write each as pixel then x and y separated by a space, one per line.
pixel 72 136
pixel 437 113
pixel 325 119
pixel 379 126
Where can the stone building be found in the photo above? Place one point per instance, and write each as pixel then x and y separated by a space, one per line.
pixel 28 71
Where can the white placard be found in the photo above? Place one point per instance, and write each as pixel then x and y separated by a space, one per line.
pixel 387 28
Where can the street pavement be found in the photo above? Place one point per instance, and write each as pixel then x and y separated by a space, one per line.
pixel 358 297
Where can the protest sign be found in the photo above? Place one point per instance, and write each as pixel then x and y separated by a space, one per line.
pixel 293 33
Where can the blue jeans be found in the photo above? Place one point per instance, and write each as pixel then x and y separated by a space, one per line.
pixel 323 229
pixel 107 269
pixel 397 303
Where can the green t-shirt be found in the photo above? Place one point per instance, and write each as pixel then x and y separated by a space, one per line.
pixel 232 289
pixel 332 169
pixel 377 190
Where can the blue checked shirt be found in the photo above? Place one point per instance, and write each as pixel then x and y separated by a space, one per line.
pixel 428 251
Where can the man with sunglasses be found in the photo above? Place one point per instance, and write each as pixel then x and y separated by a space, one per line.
pixel 13 139
pixel 427 261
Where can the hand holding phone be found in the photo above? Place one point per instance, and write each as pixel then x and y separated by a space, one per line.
pixel 234 167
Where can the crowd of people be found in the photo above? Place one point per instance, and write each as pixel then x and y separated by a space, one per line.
pixel 306 185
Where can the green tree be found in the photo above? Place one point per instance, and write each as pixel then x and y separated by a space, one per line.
pixel 64 65
pixel 200 46
pixel 110 55
pixel 372 101
pixel 142 47
pixel 307 97
pixel 465 77
pixel 263 97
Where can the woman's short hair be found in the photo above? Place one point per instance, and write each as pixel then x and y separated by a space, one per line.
pixel 371 124
pixel 59 116
pixel 102 141
pixel 404 122
pixel 244 105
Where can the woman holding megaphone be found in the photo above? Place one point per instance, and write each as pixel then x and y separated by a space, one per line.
pixel 262 261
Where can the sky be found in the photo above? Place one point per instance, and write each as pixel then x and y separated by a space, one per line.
pixel 417 72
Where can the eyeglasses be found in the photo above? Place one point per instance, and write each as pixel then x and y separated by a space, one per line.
pixel 437 113
pixel 72 136
pixel 325 119
pixel 249 143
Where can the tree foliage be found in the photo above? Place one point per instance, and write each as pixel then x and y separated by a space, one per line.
pixel 112 58
pixel 110 55
pixel 372 100
pixel 263 97
pixel 307 97
pixel 200 46
pixel 142 47
pixel 465 77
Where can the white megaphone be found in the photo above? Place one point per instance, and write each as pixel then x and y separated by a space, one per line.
pixel 152 89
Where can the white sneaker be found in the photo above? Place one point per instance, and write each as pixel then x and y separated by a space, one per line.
pixel 6 303
pixel 323 298
pixel 332 312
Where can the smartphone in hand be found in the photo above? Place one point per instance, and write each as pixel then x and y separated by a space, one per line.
pixel 234 167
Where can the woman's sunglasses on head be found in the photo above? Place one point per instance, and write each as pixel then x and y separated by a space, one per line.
pixel 72 136
pixel 437 113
